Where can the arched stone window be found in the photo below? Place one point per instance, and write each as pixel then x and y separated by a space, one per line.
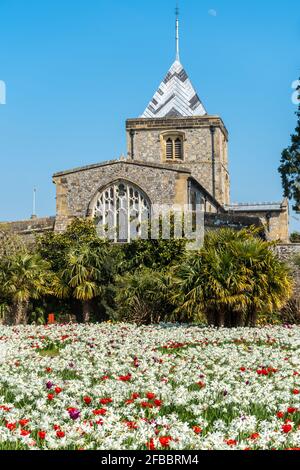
pixel 173 147
pixel 122 212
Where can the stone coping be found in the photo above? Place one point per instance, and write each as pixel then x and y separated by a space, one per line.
pixel 177 122
pixel 162 166
pixel 30 225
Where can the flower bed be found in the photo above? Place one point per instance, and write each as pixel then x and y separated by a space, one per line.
pixel 159 387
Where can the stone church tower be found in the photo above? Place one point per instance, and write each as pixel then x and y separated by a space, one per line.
pixel 176 129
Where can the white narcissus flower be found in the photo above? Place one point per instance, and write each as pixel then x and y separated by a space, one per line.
pixel 218 389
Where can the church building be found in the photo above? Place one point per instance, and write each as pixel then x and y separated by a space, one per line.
pixel 177 154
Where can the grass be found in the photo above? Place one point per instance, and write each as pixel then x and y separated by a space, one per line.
pixel 12 446
pixel 49 352
pixel 68 374
pixel 180 410
pixel 52 349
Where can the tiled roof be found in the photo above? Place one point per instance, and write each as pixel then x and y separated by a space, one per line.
pixel 175 97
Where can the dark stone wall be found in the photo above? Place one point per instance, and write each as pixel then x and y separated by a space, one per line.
pixel 287 253
pixel 237 222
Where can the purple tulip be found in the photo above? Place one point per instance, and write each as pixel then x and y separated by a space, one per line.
pixel 74 414
pixel 49 385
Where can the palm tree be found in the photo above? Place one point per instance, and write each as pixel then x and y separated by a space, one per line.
pixel 85 275
pixel 269 280
pixel 23 276
pixel 209 285
pixel 143 297
pixel 233 277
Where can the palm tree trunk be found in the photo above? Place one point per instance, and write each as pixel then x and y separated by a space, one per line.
pixel 9 318
pixel 253 318
pixel 229 319
pixel 210 317
pixel 239 319
pixel 76 308
pixel 20 312
pixel 221 319
pixel 86 311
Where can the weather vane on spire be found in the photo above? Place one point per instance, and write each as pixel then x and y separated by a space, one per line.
pixel 177 32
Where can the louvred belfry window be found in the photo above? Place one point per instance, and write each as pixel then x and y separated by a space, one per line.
pixel 169 149
pixel 178 148
pixel 173 148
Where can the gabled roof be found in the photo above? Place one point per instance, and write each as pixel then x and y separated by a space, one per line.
pixel 124 161
pixel 175 97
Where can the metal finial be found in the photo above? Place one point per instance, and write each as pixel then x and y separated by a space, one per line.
pixel 177 32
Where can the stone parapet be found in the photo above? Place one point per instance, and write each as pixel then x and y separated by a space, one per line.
pixel 177 123
pixel 28 229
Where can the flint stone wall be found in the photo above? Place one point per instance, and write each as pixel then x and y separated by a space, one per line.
pixel 29 229
pixel 77 189
pixel 287 253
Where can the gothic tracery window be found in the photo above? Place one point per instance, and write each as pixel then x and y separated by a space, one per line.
pixel 122 212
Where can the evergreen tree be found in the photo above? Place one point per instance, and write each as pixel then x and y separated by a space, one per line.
pixel 290 166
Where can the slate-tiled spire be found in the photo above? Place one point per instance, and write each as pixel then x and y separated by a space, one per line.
pixel 176 96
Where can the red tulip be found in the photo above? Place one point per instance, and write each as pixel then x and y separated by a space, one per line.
pixel 197 430
pixel 105 401
pixel 292 410
pixel 231 442
pixel 102 411
pixel 23 422
pixel 286 428
pixel 165 441
pixel 150 396
pixel 150 445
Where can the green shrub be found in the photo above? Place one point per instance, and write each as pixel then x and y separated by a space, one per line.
pixel 295 237
pixel 143 297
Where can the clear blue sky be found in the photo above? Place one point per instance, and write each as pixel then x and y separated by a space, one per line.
pixel 75 70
